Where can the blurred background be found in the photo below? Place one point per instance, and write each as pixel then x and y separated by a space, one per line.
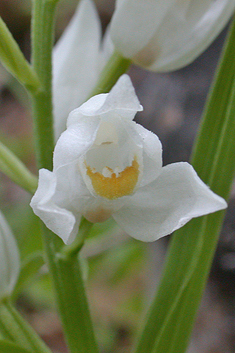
pixel 121 273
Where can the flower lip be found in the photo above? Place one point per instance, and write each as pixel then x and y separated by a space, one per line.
pixel 113 184
pixel 112 166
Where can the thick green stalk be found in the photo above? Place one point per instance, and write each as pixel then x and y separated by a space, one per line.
pixel 65 271
pixel 192 248
pixel 42 43
pixel 115 67
pixel 71 297
pixel 73 305
pixel 14 328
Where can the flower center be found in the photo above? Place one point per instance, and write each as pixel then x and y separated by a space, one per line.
pixel 112 184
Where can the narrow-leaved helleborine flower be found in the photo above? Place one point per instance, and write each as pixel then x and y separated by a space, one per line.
pixel 169 34
pixel 78 58
pixel 106 165
pixel 9 259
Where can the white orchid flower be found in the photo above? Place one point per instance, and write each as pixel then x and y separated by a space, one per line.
pixel 9 259
pixel 78 59
pixel 106 165
pixel 167 35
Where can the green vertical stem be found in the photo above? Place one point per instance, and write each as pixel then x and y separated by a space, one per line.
pixel 66 274
pixel 192 248
pixel 42 43
pixel 70 294
pixel 73 305
pixel 14 328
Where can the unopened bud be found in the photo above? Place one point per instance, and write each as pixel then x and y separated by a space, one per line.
pixel 9 259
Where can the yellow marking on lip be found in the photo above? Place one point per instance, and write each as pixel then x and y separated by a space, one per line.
pixel 115 186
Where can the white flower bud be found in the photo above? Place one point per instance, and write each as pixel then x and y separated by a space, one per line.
pixel 167 35
pixel 9 259
pixel 78 59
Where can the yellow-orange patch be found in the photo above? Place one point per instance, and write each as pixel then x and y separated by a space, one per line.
pixel 116 185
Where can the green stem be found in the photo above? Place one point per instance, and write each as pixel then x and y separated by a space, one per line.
pixel 65 270
pixel 14 328
pixel 70 293
pixel 73 304
pixel 115 67
pixel 16 170
pixel 42 44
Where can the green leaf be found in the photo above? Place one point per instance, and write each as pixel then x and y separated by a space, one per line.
pixel 9 347
pixel 15 329
pixel 26 227
pixel 14 61
pixel 29 268
pixel 192 247
pixel 12 166
pixel 124 260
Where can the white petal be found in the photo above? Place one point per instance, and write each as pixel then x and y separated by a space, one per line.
pixel 76 63
pixel 59 220
pixel 122 97
pixel 121 100
pixel 89 108
pixel 9 259
pixel 152 154
pixel 178 41
pixel 134 22
pixel 75 141
pixel 71 191
pixel 166 204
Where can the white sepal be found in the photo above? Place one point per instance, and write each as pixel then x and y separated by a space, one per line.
pixel 171 200
pixel 58 219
